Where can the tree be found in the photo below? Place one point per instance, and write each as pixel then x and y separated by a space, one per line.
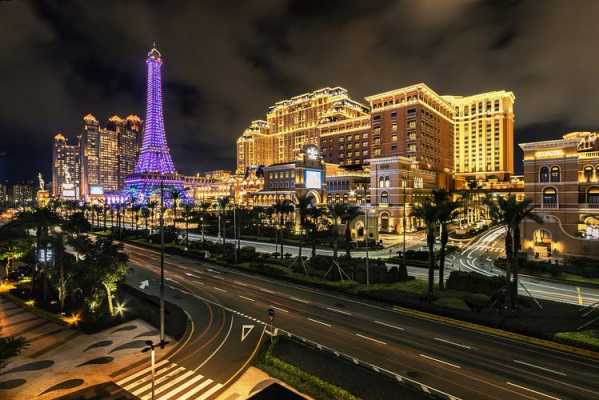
pixel 175 196
pixel 77 223
pixel 314 224
pixel 145 214
pixel 11 251
pixel 350 213
pixel 336 213
pixel 429 214
pixel 446 212
pixel 222 204
pixel 511 213
pixel 11 346
pixel 281 208
pixel 187 213
pixel 152 206
pixel 204 207
pixel 304 205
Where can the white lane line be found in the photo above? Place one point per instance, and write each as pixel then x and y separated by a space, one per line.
pixel 300 300
pixel 338 311
pixel 219 277
pixel 320 322
pixel 372 339
pixel 195 390
pixel 266 291
pixel 246 298
pixel 148 378
pixel 158 381
pixel 533 391
pixel 453 343
pixel 192 275
pixel 181 387
pixel 222 290
pixel 168 385
pixel 389 325
pixel 539 367
pixel 280 309
pixel 239 283
pixel 440 361
pixel 214 271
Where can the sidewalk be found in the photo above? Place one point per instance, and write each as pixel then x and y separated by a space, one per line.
pixel 251 382
pixel 62 360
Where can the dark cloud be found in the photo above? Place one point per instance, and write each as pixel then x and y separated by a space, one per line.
pixel 226 62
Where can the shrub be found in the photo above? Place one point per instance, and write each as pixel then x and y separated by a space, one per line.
pixel 321 263
pixel 247 253
pixel 474 282
pixel 477 301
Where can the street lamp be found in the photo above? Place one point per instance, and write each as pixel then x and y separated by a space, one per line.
pixel 161 264
pixel 367 214
pixel 150 348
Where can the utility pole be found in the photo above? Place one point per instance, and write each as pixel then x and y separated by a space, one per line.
pixel 162 263
pixel 235 230
pixel 367 237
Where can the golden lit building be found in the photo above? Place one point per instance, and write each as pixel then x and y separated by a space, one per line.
pixel 483 135
pixel 255 146
pixel 562 180
pixel 346 141
pixel 65 163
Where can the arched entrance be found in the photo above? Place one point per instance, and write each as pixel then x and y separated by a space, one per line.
pixel 591 230
pixel 384 227
pixel 542 243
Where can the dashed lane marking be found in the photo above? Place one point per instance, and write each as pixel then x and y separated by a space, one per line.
pixel 389 325
pixel 439 361
pixel 453 343
pixel 371 339
pixel 539 367
pixel 246 298
pixel 339 311
pixel 319 322
pixel 533 391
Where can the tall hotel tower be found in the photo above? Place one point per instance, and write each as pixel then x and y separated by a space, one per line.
pixel 154 169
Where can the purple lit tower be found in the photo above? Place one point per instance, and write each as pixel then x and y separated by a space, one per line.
pixel 155 166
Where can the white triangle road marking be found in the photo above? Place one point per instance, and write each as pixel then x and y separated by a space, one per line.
pixel 245 331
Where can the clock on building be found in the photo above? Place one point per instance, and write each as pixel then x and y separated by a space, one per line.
pixel 312 152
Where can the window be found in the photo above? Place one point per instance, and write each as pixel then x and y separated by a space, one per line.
pixel 593 195
pixel 544 174
pixel 381 181
pixel 387 182
pixel 555 174
pixel 588 173
pixel 394 138
pixel 384 198
pixel 549 198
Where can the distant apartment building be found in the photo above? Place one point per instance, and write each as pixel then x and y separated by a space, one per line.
pixel 3 195
pixel 107 154
pixel 23 195
pixel 65 167
pixel 483 136
pixel 562 180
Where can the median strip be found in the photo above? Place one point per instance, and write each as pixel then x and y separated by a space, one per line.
pixel 539 367
pixel 440 361
pixel 533 391
pixel 371 339
pixel 320 322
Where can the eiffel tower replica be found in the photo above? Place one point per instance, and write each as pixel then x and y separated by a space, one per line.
pixel 154 174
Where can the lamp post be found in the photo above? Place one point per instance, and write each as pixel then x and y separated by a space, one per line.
pixel 162 262
pixel 202 222
pixel 405 184
pixel 235 229
pixel 367 214
pixel 150 348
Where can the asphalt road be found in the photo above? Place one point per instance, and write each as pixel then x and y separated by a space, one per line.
pixel 460 362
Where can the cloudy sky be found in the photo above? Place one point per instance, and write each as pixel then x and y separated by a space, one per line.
pixel 227 61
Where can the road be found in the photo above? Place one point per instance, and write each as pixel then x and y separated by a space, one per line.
pixel 457 361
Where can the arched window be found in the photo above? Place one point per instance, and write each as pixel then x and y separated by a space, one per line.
pixel 588 173
pixel 384 198
pixel 593 196
pixel 381 181
pixel 550 198
pixel 544 174
pixel 555 174
pixel 387 182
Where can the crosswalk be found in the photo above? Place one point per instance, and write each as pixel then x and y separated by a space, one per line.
pixel 171 381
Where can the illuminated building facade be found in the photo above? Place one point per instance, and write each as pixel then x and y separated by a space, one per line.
pixel 562 180
pixel 255 147
pixel 416 123
pixel 348 184
pixel 65 163
pixel 483 136
pixel 346 141
pixel 23 195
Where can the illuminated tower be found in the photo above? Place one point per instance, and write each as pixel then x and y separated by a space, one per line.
pixel 154 168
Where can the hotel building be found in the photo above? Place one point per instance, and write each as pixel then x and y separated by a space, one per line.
pixel 562 180
pixel 483 136
pixel 65 164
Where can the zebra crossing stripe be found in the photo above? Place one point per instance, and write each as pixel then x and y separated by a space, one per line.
pixel 181 388
pixel 140 373
pixel 157 381
pixel 195 390
pixel 167 385
pixel 148 377
pixel 210 392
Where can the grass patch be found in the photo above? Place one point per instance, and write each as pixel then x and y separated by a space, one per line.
pixel 589 338
pixel 452 302
pixel 297 378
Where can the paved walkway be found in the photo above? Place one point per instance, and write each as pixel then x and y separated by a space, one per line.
pixel 61 360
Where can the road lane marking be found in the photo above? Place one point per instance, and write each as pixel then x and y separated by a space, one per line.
pixel 219 277
pixel 453 343
pixel 222 290
pixel 246 298
pixel 320 322
pixel 539 367
pixel 338 311
pixel 579 291
pixel 369 338
pixel 266 291
pixel 389 325
pixel 219 347
pixel 440 361
pixel 533 391
pixel 300 300
pixel 239 283
pixel 193 276
pixel 214 271
pixel 279 308
pixel 128 379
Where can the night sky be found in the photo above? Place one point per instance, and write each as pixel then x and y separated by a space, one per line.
pixel 227 61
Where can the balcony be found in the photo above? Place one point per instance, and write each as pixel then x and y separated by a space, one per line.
pixel 550 205
pixel 588 205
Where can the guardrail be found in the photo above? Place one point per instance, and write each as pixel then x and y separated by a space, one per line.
pixel 403 380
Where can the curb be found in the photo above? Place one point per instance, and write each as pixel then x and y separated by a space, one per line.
pixel 499 332
pixel 563 282
pixel 35 310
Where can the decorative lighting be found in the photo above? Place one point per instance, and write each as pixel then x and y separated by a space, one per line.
pixel 120 309
pixel 72 320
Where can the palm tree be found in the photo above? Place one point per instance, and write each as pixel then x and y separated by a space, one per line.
pixel 187 213
pixel 511 213
pixel 281 208
pixel 204 207
pixel 429 214
pixel 175 196
pixel 447 209
pixel 350 213
pixel 336 212
pixel 222 203
pixel 145 214
pixel 152 206
pixel 315 215
pixel 304 205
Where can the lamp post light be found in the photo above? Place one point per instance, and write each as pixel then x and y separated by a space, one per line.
pixel 150 348
pixel 404 184
pixel 202 222
pixel 367 214
pixel 161 263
